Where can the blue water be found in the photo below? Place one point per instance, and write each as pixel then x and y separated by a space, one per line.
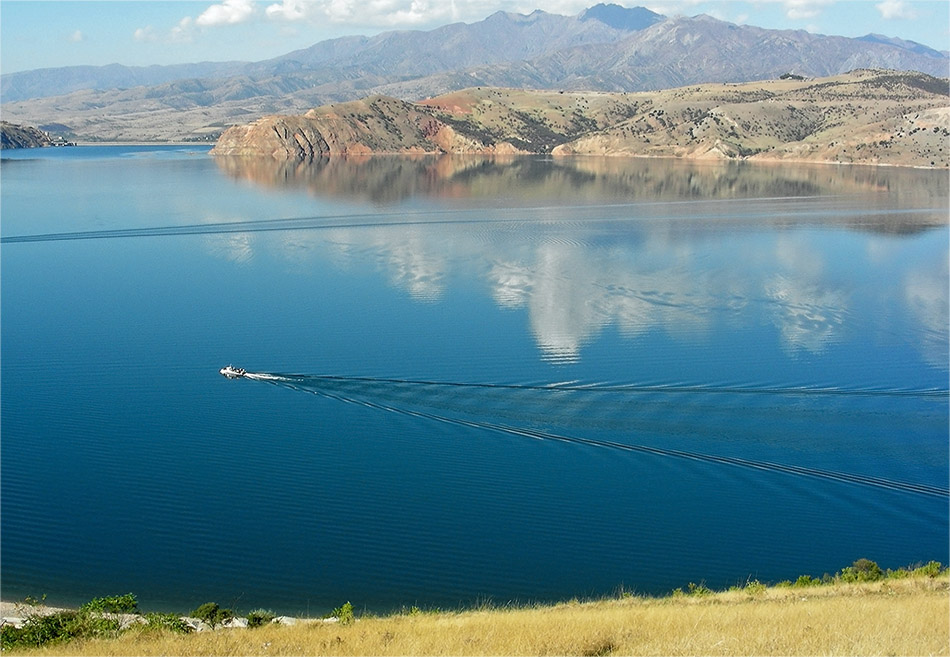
pixel 510 380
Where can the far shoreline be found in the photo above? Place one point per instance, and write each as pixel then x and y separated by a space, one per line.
pixel 769 161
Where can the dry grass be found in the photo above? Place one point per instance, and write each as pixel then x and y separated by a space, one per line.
pixel 896 617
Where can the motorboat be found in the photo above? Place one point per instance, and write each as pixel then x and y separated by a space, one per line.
pixel 232 372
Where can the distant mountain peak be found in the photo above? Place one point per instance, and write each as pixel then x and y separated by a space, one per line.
pixel 912 46
pixel 621 18
pixel 516 17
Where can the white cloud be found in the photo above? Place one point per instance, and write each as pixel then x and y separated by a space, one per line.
pixel 289 10
pixel 77 36
pixel 891 9
pixel 338 11
pixel 227 12
pixel 804 9
pixel 183 31
pixel 395 13
pixel 145 34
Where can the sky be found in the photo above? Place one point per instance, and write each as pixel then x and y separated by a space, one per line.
pixel 44 34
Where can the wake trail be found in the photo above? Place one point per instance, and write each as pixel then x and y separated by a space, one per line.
pixel 474 216
pixel 632 388
pixel 310 384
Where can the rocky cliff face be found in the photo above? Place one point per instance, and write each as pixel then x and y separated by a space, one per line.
pixel 20 136
pixel 280 137
pixel 374 125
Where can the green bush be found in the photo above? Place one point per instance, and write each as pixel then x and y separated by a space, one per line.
pixel 806 580
pixel 169 622
pixel 754 587
pixel 344 613
pixel 931 569
pixel 114 604
pixel 698 590
pixel 862 570
pixel 212 614
pixel 40 630
pixel 260 617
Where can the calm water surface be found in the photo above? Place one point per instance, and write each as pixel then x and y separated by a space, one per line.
pixel 509 379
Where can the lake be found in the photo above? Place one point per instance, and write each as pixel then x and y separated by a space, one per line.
pixel 509 379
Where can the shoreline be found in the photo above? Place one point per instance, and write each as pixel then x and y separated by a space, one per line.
pixel 767 161
pixel 909 612
pixel 862 573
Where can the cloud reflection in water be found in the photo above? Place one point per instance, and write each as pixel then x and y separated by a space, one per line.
pixel 642 245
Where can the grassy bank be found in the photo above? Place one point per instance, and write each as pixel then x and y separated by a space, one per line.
pixel 909 615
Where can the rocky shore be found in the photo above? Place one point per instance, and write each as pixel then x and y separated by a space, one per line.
pixel 16 614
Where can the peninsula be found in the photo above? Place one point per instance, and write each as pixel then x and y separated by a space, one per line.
pixel 865 116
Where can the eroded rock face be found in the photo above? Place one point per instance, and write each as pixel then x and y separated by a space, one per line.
pixel 374 125
pixel 281 137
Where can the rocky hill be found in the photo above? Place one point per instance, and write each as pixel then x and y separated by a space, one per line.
pixel 21 136
pixel 868 116
pixel 604 48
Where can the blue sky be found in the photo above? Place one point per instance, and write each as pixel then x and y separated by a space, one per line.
pixel 37 34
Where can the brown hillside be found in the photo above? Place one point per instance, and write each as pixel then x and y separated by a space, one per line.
pixel 869 117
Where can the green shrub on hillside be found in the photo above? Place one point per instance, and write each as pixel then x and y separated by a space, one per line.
pixel 40 630
pixel 260 617
pixel 344 613
pixel 806 580
pixel 113 604
pixel 698 590
pixel 931 569
pixel 212 614
pixel 158 622
pixel 862 570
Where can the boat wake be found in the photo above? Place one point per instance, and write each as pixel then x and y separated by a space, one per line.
pixel 632 408
pixel 260 376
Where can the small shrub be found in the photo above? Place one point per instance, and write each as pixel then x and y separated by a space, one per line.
pixel 212 614
pixel 170 622
pixel 698 590
pixel 931 569
pixel 862 570
pixel 754 587
pixel 40 630
pixel 10 637
pixel 868 571
pixel 806 580
pixel 260 617
pixel 115 604
pixel 344 613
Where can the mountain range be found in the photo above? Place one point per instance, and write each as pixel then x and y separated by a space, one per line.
pixel 604 48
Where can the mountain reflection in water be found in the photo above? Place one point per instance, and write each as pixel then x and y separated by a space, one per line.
pixel 523 181
pixel 637 244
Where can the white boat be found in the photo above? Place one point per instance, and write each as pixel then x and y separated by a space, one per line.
pixel 232 372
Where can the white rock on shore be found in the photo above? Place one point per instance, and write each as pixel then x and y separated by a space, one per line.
pixel 16 613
